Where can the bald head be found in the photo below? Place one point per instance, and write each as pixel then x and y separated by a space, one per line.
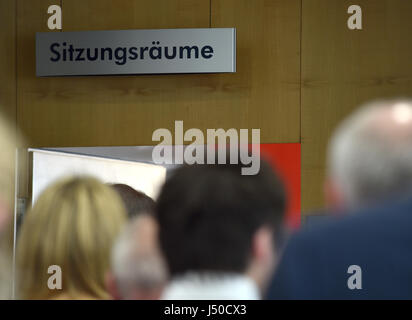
pixel 370 154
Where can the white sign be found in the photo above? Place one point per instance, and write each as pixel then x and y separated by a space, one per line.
pixel 120 52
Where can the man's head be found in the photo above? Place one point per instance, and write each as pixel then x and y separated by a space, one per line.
pixel 370 156
pixel 136 202
pixel 138 269
pixel 213 219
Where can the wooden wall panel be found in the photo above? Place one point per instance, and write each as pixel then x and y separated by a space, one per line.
pixel 340 69
pixel 98 111
pixel 134 14
pixel 8 59
pixel 343 68
pixel 266 88
pixel 31 91
pixel 8 64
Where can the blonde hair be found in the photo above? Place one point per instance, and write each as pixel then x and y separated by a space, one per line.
pixel 72 225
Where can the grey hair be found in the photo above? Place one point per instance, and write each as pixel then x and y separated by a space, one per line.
pixel 137 264
pixel 370 153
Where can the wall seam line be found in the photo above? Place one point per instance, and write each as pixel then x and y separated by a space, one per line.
pixel 210 13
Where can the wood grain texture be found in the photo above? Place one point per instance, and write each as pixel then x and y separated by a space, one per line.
pixel 266 89
pixel 101 111
pixel 342 69
pixel 98 111
pixel 32 92
pixel 8 98
pixel 8 59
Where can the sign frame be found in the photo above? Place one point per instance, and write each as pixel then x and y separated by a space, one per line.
pixel 132 52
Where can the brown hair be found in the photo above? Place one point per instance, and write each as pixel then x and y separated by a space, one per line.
pixel 136 202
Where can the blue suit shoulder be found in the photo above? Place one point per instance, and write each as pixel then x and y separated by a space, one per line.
pixel 378 240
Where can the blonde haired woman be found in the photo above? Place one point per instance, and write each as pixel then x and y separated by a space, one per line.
pixel 72 225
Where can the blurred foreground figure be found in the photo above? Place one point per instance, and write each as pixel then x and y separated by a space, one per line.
pixel 367 253
pixel 370 156
pixel 217 230
pixel 72 225
pixel 138 269
pixel 7 155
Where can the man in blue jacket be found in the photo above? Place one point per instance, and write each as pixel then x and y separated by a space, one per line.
pixel 367 254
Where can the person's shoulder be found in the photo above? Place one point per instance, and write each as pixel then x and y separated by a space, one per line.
pixel 389 217
pixel 315 262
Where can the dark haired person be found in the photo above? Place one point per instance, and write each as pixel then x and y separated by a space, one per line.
pixel 217 230
pixel 136 202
